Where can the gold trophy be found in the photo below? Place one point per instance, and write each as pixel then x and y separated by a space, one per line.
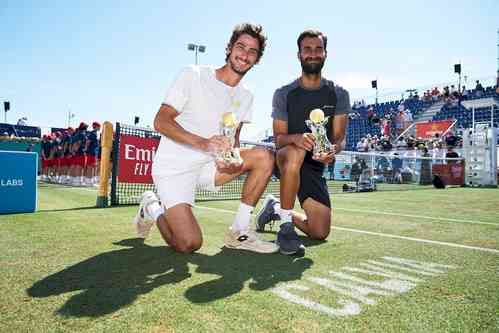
pixel 317 125
pixel 228 128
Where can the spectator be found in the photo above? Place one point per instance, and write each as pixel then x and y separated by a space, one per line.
pixel 400 144
pixel 435 94
pixel 359 145
pixel 356 170
pixel 397 169
pixel 446 92
pixel 401 107
pixel 464 92
pixel 479 89
pixel 451 153
pixel 22 121
pixel 451 140
pixel 370 114
pixel 386 145
pixel 386 127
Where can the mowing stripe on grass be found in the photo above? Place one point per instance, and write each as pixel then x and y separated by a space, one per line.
pixel 444 219
pixel 420 240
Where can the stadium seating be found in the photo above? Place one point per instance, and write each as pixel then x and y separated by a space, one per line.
pixel 360 127
pixel 464 116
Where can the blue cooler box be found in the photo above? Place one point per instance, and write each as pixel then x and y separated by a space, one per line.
pixel 18 189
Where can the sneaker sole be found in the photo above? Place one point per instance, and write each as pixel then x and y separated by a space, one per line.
pixel 299 252
pixel 136 224
pixel 136 220
pixel 249 249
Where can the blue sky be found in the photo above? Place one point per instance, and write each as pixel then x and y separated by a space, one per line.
pixel 113 60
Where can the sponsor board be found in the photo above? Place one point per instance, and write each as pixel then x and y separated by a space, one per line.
pixel 135 159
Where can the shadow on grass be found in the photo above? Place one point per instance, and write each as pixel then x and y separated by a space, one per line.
pixel 66 209
pixel 110 281
pixel 81 208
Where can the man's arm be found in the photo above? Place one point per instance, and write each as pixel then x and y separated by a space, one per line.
pixel 237 143
pixel 339 126
pixel 282 138
pixel 165 123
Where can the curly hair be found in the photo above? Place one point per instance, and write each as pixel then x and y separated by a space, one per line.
pixel 254 30
pixel 312 33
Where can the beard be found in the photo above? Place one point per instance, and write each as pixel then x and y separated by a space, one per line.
pixel 312 68
pixel 238 71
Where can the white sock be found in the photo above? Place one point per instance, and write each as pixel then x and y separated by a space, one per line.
pixel 277 208
pixel 243 217
pixel 286 215
pixel 155 210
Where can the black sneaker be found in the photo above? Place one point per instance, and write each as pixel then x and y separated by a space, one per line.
pixel 288 241
pixel 267 213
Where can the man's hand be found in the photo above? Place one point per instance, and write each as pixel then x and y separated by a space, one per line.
pixel 305 141
pixel 229 168
pixel 325 158
pixel 216 144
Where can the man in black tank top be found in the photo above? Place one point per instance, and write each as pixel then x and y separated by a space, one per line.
pixel 301 173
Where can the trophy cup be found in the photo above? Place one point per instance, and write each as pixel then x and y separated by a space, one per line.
pixel 317 125
pixel 228 127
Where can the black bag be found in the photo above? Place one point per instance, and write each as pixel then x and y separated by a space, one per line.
pixel 438 182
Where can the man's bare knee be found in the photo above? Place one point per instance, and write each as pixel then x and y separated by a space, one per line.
pixel 188 246
pixel 290 158
pixel 318 234
pixel 265 160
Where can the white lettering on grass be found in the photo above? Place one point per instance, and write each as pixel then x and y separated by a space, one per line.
pixel 394 285
pixel 356 291
pixel 426 266
pixel 381 272
pixel 348 308
pixel 374 264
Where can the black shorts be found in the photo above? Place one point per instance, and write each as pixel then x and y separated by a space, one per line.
pixel 312 184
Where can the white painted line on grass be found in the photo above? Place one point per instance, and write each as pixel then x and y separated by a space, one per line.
pixel 420 240
pixel 416 216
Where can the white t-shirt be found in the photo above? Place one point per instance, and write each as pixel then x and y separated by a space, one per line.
pixel 201 100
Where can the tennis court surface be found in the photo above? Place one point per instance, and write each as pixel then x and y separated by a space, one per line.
pixel 395 261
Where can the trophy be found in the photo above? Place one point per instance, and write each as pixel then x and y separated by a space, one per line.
pixel 317 125
pixel 228 127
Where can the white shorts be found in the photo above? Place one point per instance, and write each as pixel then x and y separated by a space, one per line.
pixel 176 186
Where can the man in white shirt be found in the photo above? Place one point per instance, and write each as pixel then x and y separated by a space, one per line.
pixel 189 121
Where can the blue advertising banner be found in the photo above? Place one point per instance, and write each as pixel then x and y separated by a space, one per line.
pixel 18 189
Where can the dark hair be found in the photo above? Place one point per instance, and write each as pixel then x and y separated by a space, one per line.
pixel 254 30
pixel 312 33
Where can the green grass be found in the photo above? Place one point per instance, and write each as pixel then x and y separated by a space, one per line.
pixel 71 268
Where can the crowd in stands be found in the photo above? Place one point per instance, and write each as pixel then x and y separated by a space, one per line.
pixel 436 144
pixel 71 156
pixel 377 127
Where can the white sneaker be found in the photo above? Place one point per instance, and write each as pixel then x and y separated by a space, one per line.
pixel 143 220
pixel 248 240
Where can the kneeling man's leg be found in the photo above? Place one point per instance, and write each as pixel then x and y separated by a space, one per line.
pixel 179 228
pixel 317 223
